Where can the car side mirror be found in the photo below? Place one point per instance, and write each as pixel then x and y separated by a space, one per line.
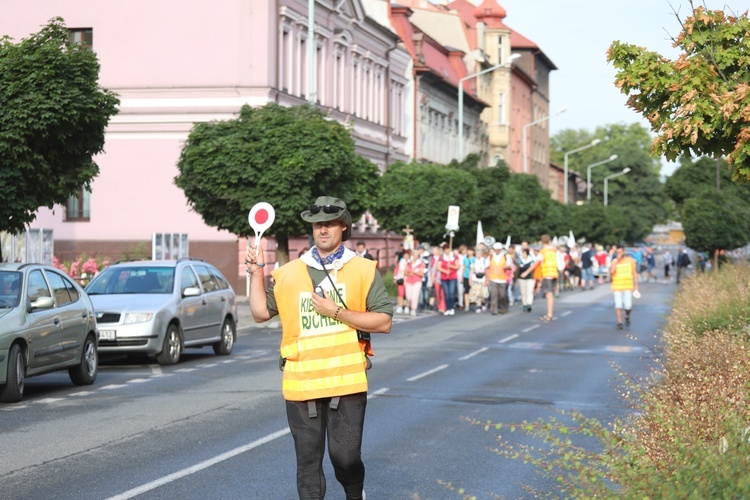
pixel 191 291
pixel 42 303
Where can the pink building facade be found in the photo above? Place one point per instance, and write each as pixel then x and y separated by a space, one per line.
pixel 176 63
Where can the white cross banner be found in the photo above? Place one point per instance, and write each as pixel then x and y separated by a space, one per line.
pixel 452 224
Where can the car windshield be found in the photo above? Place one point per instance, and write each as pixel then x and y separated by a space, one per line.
pixel 132 279
pixel 10 289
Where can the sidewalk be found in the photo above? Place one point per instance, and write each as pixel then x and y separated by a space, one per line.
pixel 245 318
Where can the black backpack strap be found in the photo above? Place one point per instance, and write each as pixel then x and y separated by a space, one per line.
pixel 312 411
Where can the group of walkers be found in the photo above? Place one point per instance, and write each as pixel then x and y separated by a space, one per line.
pixel 494 278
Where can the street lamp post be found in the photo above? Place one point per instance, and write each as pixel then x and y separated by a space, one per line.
pixel 565 168
pixel 461 81
pixel 588 174
pixel 606 180
pixel 523 137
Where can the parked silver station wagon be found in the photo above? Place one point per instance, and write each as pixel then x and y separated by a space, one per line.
pixel 46 324
pixel 161 307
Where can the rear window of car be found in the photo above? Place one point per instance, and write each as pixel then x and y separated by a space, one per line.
pixel 206 278
pixel 59 290
pixel 223 285
pixel 132 280
pixel 10 288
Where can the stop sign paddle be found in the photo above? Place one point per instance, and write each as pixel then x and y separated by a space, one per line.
pixel 261 217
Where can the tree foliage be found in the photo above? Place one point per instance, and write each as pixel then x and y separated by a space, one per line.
pixel 285 156
pixel 698 175
pixel 698 104
pixel 418 195
pixel 52 120
pixel 714 217
pixel 714 221
pixel 637 196
pixel 529 211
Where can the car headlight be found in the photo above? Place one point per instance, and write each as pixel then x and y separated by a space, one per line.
pixel 131 318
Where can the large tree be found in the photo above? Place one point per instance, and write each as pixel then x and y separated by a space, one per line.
pixel 507 204
pixel 52 119
pixel 695 176
pixel 713 221
pixel 529 211
pixel 418 195
pixel 285 156
pixel 639 194
pixel 714 212
pixel 698 104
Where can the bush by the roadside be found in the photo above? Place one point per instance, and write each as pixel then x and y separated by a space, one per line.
pixel 689 436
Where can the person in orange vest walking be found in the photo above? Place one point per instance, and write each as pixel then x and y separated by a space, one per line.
pixel 497 277
pixel 624 273
pixel 329 301
pixel 547 259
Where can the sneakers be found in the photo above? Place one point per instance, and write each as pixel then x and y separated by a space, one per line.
pixel 449 312
pixel 619 326
pixel 406 310
pixel 627 320
pixel 413 313
pixel 479 310
pixel 399 310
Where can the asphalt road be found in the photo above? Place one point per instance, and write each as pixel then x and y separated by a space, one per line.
pixel 214 427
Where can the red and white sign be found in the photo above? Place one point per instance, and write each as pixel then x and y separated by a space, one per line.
pixel 261 217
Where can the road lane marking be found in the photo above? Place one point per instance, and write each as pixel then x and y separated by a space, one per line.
pixel 111 386
pixel 185 370
pixel 427 373
pixel 83 393
pixel 199 466
pixel 509 338
pixel 471 355
pixel 562 315
pixel 49 400
pixel 532 327
pixel 14 407
pixel 378 393
pixel 156 370
pixel 138 380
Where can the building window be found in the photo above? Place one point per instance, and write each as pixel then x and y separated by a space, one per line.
pixel 83 36
pixel 78 207
pixel 169 246
pixel 501 108
pixel 499 50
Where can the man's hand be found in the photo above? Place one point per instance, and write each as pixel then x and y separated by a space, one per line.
pixel 324 305
pixel 254 258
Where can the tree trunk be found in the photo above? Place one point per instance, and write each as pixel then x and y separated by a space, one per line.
pixel 282 249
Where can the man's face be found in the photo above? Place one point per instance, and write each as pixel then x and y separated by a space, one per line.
pixel 328 235
pixel 360 248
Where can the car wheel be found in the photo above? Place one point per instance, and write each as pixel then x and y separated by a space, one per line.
pixel 170 353
pixel 224 346
pixel 84 373
pixel 12 392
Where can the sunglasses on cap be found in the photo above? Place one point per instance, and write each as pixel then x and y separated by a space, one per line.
pixel 328 209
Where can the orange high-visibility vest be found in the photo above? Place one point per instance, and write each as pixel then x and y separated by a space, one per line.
pixel 549 262
pixel 496 271
pixel 622 278
pixel 324 358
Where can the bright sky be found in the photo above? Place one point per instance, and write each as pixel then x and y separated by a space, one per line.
pixel 575 35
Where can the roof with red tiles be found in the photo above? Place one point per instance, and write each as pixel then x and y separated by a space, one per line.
pixel 429 55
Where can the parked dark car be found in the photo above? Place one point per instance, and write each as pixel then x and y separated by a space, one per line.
pixel 159 308
pixel 46 324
